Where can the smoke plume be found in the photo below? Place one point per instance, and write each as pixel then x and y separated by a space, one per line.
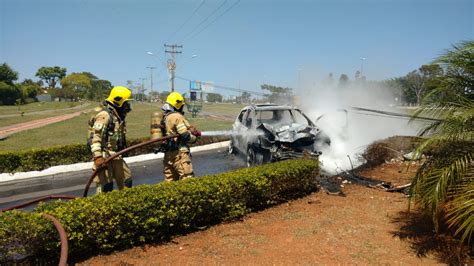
pixel 329 103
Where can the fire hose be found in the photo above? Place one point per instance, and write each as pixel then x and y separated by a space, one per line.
pixel 62 236
pixel 57 224
pixel 31 202
pixel 103 165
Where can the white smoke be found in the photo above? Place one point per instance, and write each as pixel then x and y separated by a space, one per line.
pixel 350 132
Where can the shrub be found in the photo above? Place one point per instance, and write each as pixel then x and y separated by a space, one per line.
pixel 384 150
pixel 152 213
pixel 39 159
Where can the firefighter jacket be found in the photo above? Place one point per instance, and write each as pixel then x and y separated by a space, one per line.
pixel 108 133
pixel 176 124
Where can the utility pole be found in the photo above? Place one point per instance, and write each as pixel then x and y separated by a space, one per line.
pixel 151 81
pixel 171 62
pixel 142 88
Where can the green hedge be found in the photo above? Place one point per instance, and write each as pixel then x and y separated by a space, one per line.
pixel 39 159
pixel 153 213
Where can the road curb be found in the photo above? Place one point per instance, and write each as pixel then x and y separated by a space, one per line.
pixel 80 168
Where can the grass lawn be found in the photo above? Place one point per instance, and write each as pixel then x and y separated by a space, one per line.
pixel 223 108
pixel 74 130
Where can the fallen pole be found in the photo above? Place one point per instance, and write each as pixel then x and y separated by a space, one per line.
pixel 392 114
pixel 102 166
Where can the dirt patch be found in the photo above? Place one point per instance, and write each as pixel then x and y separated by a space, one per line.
pixel 6 131
pixel 366 226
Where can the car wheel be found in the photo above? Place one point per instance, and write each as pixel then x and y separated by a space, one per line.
pixel 267 157
pixel 259 158
pixel 231 148
pixel 250 157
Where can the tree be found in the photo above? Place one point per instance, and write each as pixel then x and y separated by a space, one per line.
pixel 76 85
pixel 328 81
pixel 343 81
pixel 7 74
pixel 398 89
pixel 458 65
pixel 31 82
pixel 357 75
pixel 164 95
pixel 245 97
pixel 415 83
pixel 51 75
pixel 99 89
pixel 359 78
pixel 214 97
pixel 9 94
pixel 444 184
pixel 277 94
pixel 30 89
pixel 421 81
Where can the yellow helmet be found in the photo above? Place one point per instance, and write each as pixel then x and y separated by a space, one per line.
pixel 119 95
pixel 175 99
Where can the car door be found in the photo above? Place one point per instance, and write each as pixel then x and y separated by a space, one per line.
pixel 238 129
pixel 246 130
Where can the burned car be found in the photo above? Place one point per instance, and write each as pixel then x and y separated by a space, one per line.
pixel 267 133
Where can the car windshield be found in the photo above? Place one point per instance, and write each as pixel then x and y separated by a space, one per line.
pixel 280 117
pixel 299 118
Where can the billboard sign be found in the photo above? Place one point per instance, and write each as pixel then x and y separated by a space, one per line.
pixel 195 85
pixel 207 86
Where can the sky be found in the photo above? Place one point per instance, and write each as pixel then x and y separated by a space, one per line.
pixel 242 44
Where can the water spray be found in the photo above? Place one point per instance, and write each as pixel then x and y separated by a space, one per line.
pixel 215 133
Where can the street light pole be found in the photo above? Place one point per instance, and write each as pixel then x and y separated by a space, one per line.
pixel 299 78
pixel 151 81
pixel 159 59
pixel 142 89
pixel 362 59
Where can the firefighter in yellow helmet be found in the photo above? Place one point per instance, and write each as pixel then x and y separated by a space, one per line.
pixel 107 131
pixel 177 159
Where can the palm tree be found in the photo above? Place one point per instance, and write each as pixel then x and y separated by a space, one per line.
pixel 444 184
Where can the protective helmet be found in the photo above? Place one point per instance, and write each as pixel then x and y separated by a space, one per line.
pixel 176 100
pixel 119 95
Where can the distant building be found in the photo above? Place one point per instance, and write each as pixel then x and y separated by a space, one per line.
pixel 44 98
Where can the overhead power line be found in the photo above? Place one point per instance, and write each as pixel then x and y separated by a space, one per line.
pixel 209 24
pixel 162 81
pixel 225 87
pixel 186 21
pixel 204 20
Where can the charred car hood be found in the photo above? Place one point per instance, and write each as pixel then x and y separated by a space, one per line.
pixel 290 133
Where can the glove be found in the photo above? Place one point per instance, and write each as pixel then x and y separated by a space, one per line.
pixel 197 133
pixel 98 161
pixel 159 149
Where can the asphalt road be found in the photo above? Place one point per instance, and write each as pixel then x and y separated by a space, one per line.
pixel 204 163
